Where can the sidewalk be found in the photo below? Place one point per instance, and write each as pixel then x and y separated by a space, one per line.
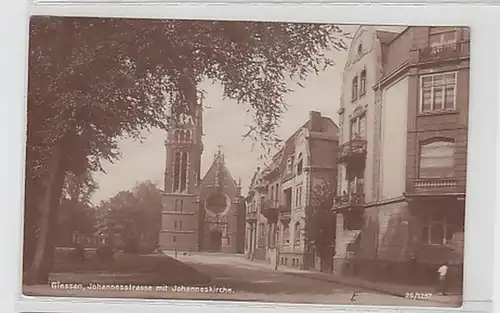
pixel 398 290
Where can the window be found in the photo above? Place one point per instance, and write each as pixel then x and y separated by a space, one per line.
pixel 228 240
pixel 438 92
pixel 177 134
pixel 298 196
pixel 360 49
pixel 300 164
pixel 297 233
pixel 355 88
pixel 358 127
pixel 175 224
pixel 174 239
pixel 289 164
pixel 179 205
pixel 188 136
pixel 436 159
pixel 442 36
pixel 362 83
pixel 436 229
pixel 177 170
pixel 180 225
pixel 183 178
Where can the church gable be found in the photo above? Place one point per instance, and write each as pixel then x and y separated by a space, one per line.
pixel 218 179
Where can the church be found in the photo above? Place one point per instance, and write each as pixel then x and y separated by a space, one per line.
pixel 199 214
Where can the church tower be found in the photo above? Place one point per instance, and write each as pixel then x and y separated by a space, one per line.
pixel 184 148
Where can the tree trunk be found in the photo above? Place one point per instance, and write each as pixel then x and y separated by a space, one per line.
pixel 47 223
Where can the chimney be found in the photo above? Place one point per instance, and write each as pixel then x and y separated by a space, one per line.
pixel 315 121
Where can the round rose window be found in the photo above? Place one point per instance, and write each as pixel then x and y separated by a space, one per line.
pixel 216 203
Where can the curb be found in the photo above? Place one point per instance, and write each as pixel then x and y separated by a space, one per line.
pixel 380 290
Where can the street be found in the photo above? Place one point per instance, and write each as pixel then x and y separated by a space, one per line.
pixel 247 281
pixel 259 281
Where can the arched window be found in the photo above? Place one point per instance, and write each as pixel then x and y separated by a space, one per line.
pixel 436 159
pixel 355 88
pixel 177 134
pixel 300 164
pixel 362 83
pixel 177 171
pixel 188 136
pixel 296 233
pixel 184 166
pixel 182 135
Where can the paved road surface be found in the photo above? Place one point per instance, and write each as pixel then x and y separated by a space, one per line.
pixel 250 281
pixel 259 281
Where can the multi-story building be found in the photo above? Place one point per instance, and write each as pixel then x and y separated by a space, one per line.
pixel 255 243
pixel 199 214
pixel 402 171
pixel 282 191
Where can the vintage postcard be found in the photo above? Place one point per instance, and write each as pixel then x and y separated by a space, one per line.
pixel 246 161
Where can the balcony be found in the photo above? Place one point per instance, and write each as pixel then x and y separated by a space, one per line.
pixel 270 210
pixel 436 186
pixel 445 52
pixel 285 214
pixel 260 186
pixel 353 152
pixel 251 217
pixel 351 200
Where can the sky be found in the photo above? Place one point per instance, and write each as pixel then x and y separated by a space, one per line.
pixel 224 123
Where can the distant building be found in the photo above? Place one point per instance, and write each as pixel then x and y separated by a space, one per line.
pixel 199 214
pixel 279 194
pixel 402 172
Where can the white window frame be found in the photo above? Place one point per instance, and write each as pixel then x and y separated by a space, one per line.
pixel 421 93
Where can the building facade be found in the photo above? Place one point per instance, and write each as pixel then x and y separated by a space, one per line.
pixel 403 118
pixel 280 193
pixel 199 214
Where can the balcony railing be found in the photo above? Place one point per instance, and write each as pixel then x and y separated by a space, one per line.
pixel 350 200
pixel 435 184
pixel 353 150
pixel 270 209
pixel 444 52
pixel 260 186
pixel 251 216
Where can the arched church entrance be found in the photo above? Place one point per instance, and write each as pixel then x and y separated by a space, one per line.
pixel 215 241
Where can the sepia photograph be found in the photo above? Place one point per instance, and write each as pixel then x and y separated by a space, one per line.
pixel 271 162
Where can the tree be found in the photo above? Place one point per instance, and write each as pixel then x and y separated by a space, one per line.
pixel 93 81
pixel 149 204
pixel 77 214
pixel 320 221
pixel 135 217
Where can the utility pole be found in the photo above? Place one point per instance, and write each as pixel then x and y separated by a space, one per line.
pixel 277 247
